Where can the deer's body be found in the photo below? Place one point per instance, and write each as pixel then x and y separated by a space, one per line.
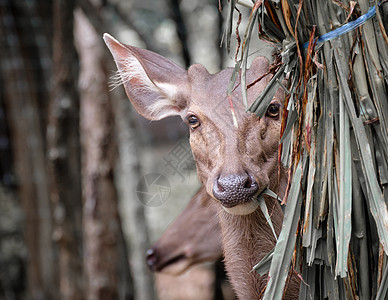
pixel 235 152
pixel 194 237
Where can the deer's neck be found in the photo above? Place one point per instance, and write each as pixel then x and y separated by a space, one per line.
pixel 246 240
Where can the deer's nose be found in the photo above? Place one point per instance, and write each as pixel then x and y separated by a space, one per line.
pixel 234 189
pixel 151 259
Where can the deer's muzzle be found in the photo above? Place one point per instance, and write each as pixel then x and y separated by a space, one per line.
pixel 235 189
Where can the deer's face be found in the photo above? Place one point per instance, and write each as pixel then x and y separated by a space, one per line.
pixel 235 152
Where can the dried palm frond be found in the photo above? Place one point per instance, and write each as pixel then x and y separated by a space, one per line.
pixel 334 142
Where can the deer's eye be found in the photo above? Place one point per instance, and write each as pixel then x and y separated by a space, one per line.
pixel 273 111
pixel 193 121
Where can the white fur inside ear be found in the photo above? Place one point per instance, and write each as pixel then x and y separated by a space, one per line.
pixel 243 209
pixel 170 90
pixel 129 68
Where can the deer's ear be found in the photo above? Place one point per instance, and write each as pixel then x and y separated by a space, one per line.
pixel 260 65
pixel 157 87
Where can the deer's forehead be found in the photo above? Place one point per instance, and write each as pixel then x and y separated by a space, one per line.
pixel 204 85
pixel 211 89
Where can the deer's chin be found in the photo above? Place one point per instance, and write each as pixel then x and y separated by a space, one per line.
pixel 242 209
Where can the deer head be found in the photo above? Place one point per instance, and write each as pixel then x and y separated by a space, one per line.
pixel 235 151
pixel 194 237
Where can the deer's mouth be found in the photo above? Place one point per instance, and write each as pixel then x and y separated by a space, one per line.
pixel 247 207
pixel 174 265
pixel 243 208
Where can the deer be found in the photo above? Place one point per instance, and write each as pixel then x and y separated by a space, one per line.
pixel 193 238
pixel 236 153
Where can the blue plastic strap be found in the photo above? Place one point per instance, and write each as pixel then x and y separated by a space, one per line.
pixel 345 28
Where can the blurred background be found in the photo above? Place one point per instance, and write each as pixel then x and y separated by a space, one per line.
pixel 74 155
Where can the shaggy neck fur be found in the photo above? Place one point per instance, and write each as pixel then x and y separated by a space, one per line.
pixel 246 240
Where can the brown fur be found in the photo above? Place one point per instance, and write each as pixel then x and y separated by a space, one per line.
pixel 194 237
pixel 227 142
pixel 245 244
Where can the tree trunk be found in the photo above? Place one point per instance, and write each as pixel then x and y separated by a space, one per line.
pixel 64 153
pixel 132 211
pixel 24 91
pixel 127 176
pixel 100 214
